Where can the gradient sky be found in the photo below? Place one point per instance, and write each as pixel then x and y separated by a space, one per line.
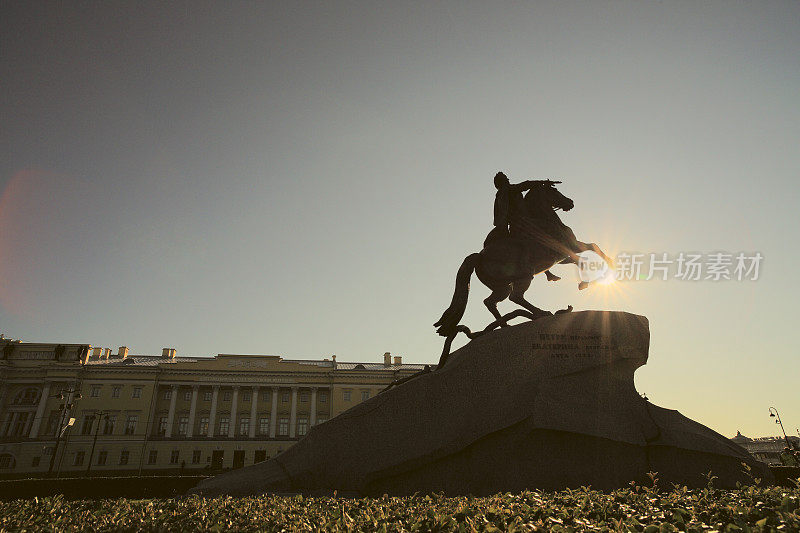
pixel 304 179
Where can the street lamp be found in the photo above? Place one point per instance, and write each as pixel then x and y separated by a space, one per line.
pixel 100 415
pixel 69 396
pixel 773 413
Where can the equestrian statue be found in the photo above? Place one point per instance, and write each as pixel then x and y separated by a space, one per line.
pixel 528 238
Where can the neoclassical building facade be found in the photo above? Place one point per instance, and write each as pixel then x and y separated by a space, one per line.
pixel 70 409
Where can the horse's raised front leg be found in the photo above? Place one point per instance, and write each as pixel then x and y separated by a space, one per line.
pixel 583 247
pixel 596 249
pixel 518 297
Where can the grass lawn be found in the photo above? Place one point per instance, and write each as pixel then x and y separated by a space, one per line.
pixel 649 509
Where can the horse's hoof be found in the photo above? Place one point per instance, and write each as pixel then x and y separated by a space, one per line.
pixel 562 311
pixel 552 277
pixel 582 285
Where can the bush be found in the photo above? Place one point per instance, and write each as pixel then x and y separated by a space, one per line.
pixel 99 487
pixel 641 509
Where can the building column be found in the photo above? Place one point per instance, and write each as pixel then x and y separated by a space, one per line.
pixel 37 418
pixel 173 397
pixel 313 418
pixel 212 416
pixel 293 415
pixel 234 405
pixel 192 411
pixel 253 412
pixel 3 392
pixel 273 415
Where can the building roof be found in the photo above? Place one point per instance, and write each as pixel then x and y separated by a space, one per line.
pixel 102 358
pixel 142 360
pixel 740 438
pixel 376 366
pixel 155 360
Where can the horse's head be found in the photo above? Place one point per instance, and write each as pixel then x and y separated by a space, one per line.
pixel 551 196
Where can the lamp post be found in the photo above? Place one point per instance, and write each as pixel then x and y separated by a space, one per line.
pixel 69 396
pixel 100 415
pixel 773 413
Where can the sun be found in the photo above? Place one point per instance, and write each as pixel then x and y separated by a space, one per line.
pixel 608 278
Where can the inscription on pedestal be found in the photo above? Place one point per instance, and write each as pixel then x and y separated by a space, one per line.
pixel 572 346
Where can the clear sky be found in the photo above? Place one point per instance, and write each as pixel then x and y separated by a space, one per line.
pixel 304 179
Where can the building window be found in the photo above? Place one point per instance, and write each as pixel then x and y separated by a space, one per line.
pixel 52 423
pixel 130 424
pixel 152 457
pixel 263 425
pixel 111 422
pixel 346 395
pixel 78 461
pixel 283 426
pixel 364 395
pixel 95 393
pixel 223 426
pixel 195 457
pixel 162 426
pixel 244 426
pixel 124 455
pixel 173 457
pixel 35 461
pixel 204 425
pixel 323 397
pixel 265 396
pixel 19 427
pixel 102 457
pixel 29 396
pixel 246 396
pixel 207 396
pixel 6 460
pixel 137 392
pixel 304 397
pixel 115 391
pixel 187 396
pixel 302 426
pixel 226 396
pixel 321 419
pixel 168 394
pixel 285 397
pixel 86 427
pixel 183 425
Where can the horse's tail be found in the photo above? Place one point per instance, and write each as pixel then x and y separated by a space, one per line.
pixel 452 315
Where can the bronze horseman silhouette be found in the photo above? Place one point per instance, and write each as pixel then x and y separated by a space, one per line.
pixel 537 240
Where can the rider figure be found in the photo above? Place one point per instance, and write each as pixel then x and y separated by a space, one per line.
pixel 509 209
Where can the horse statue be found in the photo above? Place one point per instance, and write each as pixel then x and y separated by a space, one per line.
pixel 509 261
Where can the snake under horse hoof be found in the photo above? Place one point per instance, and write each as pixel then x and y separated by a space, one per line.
pixel 500 322
pixel 466 331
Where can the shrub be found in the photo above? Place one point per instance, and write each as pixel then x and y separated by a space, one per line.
pixel 643 509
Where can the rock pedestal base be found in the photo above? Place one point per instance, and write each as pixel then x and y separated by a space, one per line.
pixel 547 404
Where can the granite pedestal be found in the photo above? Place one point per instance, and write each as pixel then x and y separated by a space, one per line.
pixel 546 404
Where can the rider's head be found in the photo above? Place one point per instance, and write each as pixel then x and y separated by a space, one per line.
pixel 500 179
